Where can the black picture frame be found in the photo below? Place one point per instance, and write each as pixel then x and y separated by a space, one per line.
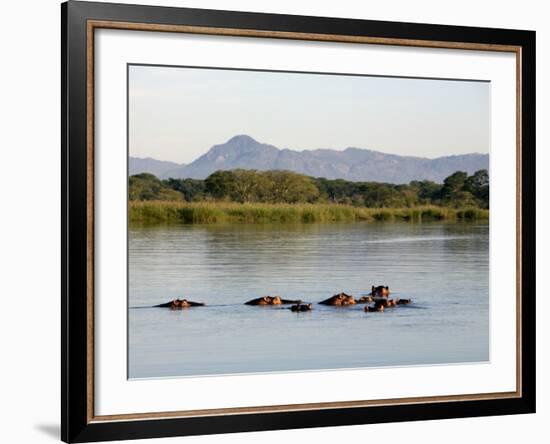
pixel 76 423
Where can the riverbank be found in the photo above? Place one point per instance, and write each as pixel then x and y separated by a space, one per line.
pixel 230 212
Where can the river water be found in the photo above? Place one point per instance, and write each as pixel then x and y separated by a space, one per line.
pixel 443 267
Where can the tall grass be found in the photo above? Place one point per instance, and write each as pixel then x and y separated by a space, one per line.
pixel 150 212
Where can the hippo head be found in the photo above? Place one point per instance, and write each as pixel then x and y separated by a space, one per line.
pixel 276 300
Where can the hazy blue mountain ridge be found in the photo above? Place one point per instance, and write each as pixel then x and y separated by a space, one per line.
pixel 354 164
pixel 138 165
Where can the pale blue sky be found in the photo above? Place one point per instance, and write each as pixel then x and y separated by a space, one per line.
pixel 177 114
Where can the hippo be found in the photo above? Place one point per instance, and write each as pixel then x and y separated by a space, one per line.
pixel 302 307
pixel 364 300
pixel 270 300
pixel 381 290
pixel 384 302
pixel 403 301
pixel 339 299
pixel 180 303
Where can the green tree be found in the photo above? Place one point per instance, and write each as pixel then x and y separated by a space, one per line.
pixel 249 186
pixel 220 185
pixel 452 185
pixel 478 185
pixel 289 187
pixel 192 189
pixel 427 191
pixel 146 186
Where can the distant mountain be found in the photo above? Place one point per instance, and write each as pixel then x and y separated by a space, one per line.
pixel 149 165
pixel 351 164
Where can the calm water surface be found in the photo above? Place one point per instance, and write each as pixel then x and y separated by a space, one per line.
pixel 443 267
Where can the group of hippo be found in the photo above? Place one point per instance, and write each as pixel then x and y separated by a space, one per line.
pixel 377 300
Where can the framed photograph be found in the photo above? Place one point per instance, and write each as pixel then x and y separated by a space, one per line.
pixel 275 221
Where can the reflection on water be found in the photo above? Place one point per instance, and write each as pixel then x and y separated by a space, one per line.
pixel 442 267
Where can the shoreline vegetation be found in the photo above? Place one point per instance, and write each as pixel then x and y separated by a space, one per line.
pixel 251 196
pixel 153 212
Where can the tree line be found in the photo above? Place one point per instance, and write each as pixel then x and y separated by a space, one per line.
pixel 457 190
